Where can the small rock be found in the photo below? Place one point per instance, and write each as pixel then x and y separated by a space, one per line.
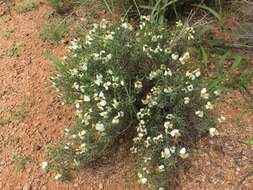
pixel 27 186
pixel 100 186
pixel 76 185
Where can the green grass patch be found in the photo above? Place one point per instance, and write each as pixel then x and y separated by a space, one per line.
pixel 20 162
pixel 14 51
pixel 249 140
pixel 27 5
pixel 54 32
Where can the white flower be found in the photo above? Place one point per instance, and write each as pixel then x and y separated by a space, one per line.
pixel 74 45
pixel 168 124
pixel 86 98
pixel 183 154
pixel 173 149
pixel 82 148
pixel 66 131
pixel 143 180
pixel 74 136
pixel 44 165
pixel 174 56
pixel 81 134
pixel 138 85
pixel 66 147
pixel 190 75
pixel 209 106
pixel 109 37
pixel 213 132
pixel 217 93
pixel 74 72
pixel 154 74
pixel 190 88
pixel 199 113
pixel 161 168
pixel 77 105
pixel 167 90
pixel 203 91
pixel 204 94
pixel 122 83
pixel 115 120
pixel 108 57
pixel 110 72
pixel 154 38
pixel 221 119
pixel 166 153
pixel 197 73
pixel 127 26
pixel 99 80
pixel 184 58
pixel 175 133
pixel 115 103
pixel 107 85
pixel 169 116
pixel 168 72
pixel 100 127
pixel 102 103
pixel 58 176
pixel 104 114
pixel 146 18
pixel 83 67
pixel 179 23
pixel 101 95
pixel 186 100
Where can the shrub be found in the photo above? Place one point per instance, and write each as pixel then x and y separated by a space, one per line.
pixel 143 79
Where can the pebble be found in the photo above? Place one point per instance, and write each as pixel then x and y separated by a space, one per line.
pixel 100 186
pixel 27 186
pixel 76 185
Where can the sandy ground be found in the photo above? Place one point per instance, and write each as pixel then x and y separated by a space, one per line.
pixel 31 117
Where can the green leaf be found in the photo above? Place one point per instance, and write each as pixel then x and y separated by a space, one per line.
pixel 55 61
pixel 205 29
pixel 215 42
pixel 249 141
pixel 204 56
pixel 237 62
pixel 210 10
pixel 220 66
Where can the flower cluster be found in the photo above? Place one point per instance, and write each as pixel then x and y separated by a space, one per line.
pixel 118 76
pixel 166 121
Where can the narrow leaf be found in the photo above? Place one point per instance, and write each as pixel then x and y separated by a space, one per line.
pixel 210 10
pixel 55 61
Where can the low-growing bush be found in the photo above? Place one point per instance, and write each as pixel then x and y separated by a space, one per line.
pixel 126 79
